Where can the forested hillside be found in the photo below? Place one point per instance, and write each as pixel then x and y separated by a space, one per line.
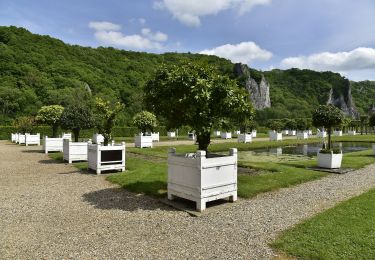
pixel 37 70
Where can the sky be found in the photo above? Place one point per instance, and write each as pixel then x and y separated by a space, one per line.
pixel 335 35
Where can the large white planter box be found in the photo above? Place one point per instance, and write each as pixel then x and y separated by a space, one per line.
pixel 143 141
pixel 21 139
pixel 329 160
pixel 352 132
pixel 292 133
pixel 244 138
pixel 106 158
pixel 226 135
pixel 275 136
pixel 285 132
pixel 309 132
pixel 192 136
pixel 216 133
pixel 337 133
pixel 53 144
pixel 171 134
pixel 16 138
pixel 198 178
pixel 254 133
pixel 155 137
pixel 13 137
pixel 97 138
pixel 74 151
pixel 322 134
pixel 32 139
pixel 237 132
pixel 66 136
pixel 302 135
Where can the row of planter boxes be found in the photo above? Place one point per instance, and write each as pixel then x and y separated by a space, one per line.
pixel 26 139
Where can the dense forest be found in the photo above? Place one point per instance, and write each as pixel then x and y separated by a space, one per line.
pixel 39 70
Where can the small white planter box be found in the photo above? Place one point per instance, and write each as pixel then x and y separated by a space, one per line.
pixel 216 133
pixel 21 139
pixel 322 134
pixel 198 178
pixel 32 139
pixel 337 133
pixel 226 135
pixel 352 132
pixel 66 136
pixel 171 134
pixel 244 138
pixel 292 133
pixel 329 160
pixel 106 158
pixel 237 132
pixel 254 133
pixel 285 132
pixel 16 139
pixel 13 137
pixel 143 141
pixel 309 132
pixel 303 135
pixel 192 136
pixel 155 137
pixel 97 138
pixel 74 151
pixel 53 144
pixel 274 136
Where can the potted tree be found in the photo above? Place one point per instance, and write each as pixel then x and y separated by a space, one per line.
pixel 353 127
pixel 196 96
pixel 246 126
pixel 25 126
pixel 106 157
pixel 371 123
pixel 76 117
pixel 226 126
pixel 275 133
pixel 328 116
pixel 145 121
pixel 301 126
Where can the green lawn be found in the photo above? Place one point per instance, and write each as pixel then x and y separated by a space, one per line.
pixel 346 231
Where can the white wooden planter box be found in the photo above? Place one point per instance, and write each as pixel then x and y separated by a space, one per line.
pixel 143 141
pixel 303 135
pixel 237 132
pixel 97 138
pixel 32 139
pixel 274 136
pixel 352 132
pixel 309 132
pixel 292 133
pixel 226 135
pixel 21 139
pixel 192 136
pixel 155 137
pixel 285 132
pixel 13 137
pixel 16 138
pixel 66 136
pixel 198 178
pixel 254 133
pixel 329 160
pixel 322 134
pixel 106 158
pixel 53 144
pixel 244 138
pixel 171 134
pixel 337 133
pixel 74 151
pixel 216 133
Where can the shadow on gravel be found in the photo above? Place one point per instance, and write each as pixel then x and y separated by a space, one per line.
pixel 50 161
pixel 118 198
pixel 32 151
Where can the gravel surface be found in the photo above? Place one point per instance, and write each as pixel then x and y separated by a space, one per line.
pixel 50 211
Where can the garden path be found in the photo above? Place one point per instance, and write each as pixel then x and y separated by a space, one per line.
pixel 49 210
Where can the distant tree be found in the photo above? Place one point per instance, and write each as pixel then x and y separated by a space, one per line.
pixel 144 121
pixel 50 115
pixel 364 122
pixel 107 111
pixel 327 116
pixel 301 124
pixel 197 96
pixel 76 118
pixel 275 125
pixel 371 121
pixel 25 124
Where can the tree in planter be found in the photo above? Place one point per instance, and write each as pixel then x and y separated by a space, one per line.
pixel 77 117
pixel 371 121
pixel 364 122
pixel 25 124
pixel 50 115
pixel 106 118
pixel 144 121
pixel 195 96
pixel 327 116
pixel 290 124
pixel 276 125
pixel 301 124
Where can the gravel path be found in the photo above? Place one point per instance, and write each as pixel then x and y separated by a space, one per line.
pixel 50 211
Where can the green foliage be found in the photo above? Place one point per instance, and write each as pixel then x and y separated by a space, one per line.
pixel 196 95
pixel 276 125
pixel 50 115
pixel 144 121
pixel 25 124
pixel 301 124
pixel 77 117
pixel 107 112
pixel 371 121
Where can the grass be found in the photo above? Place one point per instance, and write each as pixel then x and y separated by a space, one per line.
pixel 346 231
pixel 355 138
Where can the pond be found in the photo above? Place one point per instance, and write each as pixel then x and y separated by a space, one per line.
pixel 312 149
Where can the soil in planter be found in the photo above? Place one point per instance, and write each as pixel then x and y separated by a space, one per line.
pixel 110 156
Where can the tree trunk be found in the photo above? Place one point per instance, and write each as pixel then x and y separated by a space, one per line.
pixel 54 130
pixel 76 134
pixel 203 140
pixel 329 131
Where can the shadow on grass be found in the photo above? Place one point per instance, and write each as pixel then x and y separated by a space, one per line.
pixel 50 161
pixel 118 198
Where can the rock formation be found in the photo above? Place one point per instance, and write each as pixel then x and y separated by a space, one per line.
pixel 259 91
pixel 344 100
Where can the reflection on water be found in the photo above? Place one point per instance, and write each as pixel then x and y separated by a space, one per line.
pixel 312 149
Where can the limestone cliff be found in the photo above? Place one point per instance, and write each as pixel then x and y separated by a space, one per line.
pixel 258 87
pixel 343 99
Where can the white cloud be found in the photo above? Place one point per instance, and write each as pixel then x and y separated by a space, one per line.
pixel 357 59
pixel 104 26
pixel 189 12
pixel 142 21
pixel 244 52
pixel 109 33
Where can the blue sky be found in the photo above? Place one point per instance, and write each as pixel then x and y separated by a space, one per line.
pixel 337 35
